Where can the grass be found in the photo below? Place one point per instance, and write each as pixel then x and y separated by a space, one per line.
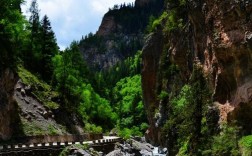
pixel 31 128
pixel 41 90
pixel 52 130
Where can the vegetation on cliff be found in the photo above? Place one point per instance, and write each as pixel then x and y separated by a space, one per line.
pixel 183 75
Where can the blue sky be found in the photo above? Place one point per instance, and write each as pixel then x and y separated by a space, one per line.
pixel 72 19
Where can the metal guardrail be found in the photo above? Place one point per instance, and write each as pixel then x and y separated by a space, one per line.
pixel 20 147
pixel 54 138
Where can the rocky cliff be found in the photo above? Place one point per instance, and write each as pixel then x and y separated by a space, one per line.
pixel 8 106
pixel 120 34
pixel 108 26
pixel 217 36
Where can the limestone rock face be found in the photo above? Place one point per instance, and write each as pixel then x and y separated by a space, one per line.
pixel 152 51
pixel 8 111
pixel 108 26
pixel 218 37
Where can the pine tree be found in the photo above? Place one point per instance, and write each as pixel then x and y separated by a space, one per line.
pixel 34 19
pixel 49 48
pixel 32 56
pixel 42 47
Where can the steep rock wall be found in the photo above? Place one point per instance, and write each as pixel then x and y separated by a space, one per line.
pixel 8 107
pixel 217 36
pixel 108 26
pixel 152 51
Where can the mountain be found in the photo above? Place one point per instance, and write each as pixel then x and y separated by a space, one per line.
pixel 120 34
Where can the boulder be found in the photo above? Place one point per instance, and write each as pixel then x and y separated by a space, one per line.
pixel 29 118
pixel 28 89
pixel 141 146
pixel 27 100
pixel 50 113
pixel 81 152
pixel 163 150
pixel 31 114
pixel 23 92
pixel 18 88
pixel 39 112
pixel 45 114
pixel 40 109
pixel 146 153
pixel 115 152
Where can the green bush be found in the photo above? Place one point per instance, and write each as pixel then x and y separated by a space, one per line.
pixel 226 143
pixel 182 99
pixel 92 128
pixel 163 95
pixel 173 22
pixel 183 149
pixel 245 144
pixel 157 22
pixel 52 130
pixel 144 126
pixel 126 133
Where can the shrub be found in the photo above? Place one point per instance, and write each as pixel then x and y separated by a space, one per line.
pixel 225 143
pixel 245 144
pixel 92 128
pixel 144 126
pixel 163 95
pixel 125 133
pixel 52 130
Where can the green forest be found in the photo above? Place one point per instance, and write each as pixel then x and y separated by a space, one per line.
pixel 112 100
pixel 103 100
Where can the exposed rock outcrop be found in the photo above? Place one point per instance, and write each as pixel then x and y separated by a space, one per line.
pixel 108 26
pixel 217 36
pixel 152 51
pixel 138 148
pixel 8 106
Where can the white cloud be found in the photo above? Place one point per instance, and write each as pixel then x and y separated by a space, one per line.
pixel 71 19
